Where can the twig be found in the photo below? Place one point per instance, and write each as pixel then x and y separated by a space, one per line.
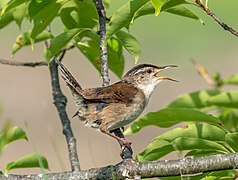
pixel 203 73
pixel 189 166
pixel 104 57
pixel 60 103
pixel 218 20
pixel 26 64
pixel 103 44
pixel 31 64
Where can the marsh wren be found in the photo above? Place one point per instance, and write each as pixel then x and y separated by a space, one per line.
pixel 114 106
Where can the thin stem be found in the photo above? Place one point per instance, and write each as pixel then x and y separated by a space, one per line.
pixel 218 20
pixel 31 64
pixel 203 73
pixel 26 64
pixel 60 103
pixel 103 44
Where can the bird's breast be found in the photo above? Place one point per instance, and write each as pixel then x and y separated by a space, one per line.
pixel 131 112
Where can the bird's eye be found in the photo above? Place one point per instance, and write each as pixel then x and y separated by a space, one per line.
pixel 149 71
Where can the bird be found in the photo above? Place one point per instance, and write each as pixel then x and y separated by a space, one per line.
pixel 111 107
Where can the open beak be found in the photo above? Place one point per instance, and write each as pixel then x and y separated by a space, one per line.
pixel 164 77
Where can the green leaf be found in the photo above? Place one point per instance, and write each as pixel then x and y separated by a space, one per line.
pixel 123 16
pixel 11 134
pixel 19 13
pixel 116 59
pixel 145 9
pixel 157 5
pixel 12 4
pixel 199 152
pixel 130 43
pixel 183 11
pixel 15 133
pixel 194 130
pixel 163 144
pixel 196 99
pixel 36 6
pixel 155 150
pixel 174 3
pixel 169 6
pixel 61 41
pixel 224 174
pixel 215 175
pixel 170 116
pixel 3 3
pixel 229 119
pixel 233 80
pixel 89 46
pixel 43 16
pixel 225 99
pixel 79 14
pixel 106 3
pixel 5 19
pixel 186 143
pixel 29 161
pixel 210 178
pixel 232 140
pixel 24 40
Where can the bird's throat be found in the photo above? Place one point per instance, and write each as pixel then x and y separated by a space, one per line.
pixel 147 89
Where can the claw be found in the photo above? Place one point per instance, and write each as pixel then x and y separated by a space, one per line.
pixel 125 144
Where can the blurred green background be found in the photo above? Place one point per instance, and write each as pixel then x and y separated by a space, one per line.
pixel 167 39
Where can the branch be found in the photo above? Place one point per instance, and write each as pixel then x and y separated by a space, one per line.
pixel 218 20
pixel 26 64
pixel 189 166
pixel 60 103
pixel 203 73
pixel 103 44
pixel 32 64
pixel 104 57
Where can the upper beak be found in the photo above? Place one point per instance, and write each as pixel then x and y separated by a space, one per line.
pixel 164 77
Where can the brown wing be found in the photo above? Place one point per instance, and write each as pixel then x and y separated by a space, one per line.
pixel 116 93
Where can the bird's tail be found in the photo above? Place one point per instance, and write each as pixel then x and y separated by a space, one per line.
pixel 76 90
pixel 74 86
pixel 69 79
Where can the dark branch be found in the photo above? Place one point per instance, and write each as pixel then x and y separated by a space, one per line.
pixel 128 168
pixel 26 64
pixel 218 20
pixel 104 57
pixel 103 44
pixel 31 64
pixel 60 103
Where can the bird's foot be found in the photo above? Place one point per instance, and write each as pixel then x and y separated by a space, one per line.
pixel 125 145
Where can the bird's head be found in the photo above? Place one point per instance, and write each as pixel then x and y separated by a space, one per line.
pixel 146 77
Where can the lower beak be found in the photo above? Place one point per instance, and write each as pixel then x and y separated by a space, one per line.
pixel 167 78
pixel 164 77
